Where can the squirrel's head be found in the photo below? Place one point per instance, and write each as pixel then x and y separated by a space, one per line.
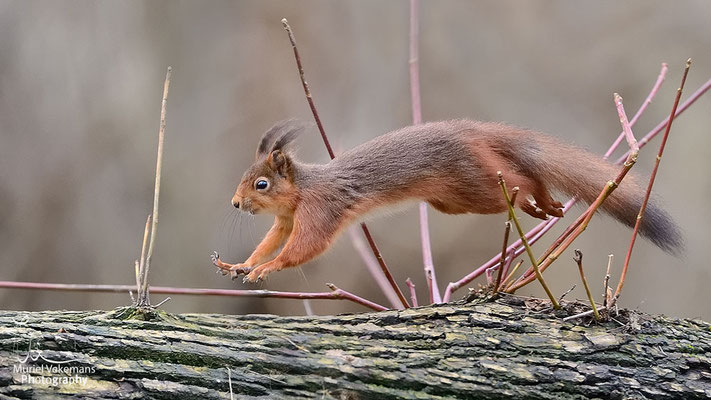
pixel 268 185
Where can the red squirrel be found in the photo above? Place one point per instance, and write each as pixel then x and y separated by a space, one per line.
pixel 452 165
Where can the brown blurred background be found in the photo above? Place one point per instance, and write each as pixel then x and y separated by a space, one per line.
pixel 80 88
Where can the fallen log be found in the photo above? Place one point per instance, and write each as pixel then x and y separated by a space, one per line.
pixel 510 348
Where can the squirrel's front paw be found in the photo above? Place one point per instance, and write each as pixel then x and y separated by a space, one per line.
pixel 260 273
pixel 234 270
pixel 252 277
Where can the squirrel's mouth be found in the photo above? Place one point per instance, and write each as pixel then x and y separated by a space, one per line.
pixel 247 206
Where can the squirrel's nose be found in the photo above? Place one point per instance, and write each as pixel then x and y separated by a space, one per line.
pixel 235 203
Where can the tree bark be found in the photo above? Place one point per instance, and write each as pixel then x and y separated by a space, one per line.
pixel 504 349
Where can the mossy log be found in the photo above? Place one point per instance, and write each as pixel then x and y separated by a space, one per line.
pixel 492 350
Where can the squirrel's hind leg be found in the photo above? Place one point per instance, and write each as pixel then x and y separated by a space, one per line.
pixel 545 202
pixel 530 209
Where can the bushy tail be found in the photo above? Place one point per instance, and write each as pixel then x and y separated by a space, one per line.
pixel 577 172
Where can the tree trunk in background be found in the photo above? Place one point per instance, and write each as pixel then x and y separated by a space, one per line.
pixel 487 350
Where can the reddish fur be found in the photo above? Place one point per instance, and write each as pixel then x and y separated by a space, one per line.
pixel 452 165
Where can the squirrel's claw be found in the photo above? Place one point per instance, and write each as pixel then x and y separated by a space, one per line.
pixel 248 279
pixel 232 269
pixel 216 260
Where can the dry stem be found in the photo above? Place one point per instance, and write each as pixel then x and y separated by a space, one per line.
pixel 141 262
pixel 502 263
pixel 579 260
pixel 512 213
pixel 143 292
pixel 606 294
pixel 505 284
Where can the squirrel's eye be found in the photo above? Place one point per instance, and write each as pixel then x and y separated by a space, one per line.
pixel 261 184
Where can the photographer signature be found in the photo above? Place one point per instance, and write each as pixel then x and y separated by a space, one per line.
pixel 34 354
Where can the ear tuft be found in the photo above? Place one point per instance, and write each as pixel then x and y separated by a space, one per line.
pixel 280 162
pixel 278 136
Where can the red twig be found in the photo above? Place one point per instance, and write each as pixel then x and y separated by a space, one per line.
pixel 335 294
pixel 417 119
pixel 414 63
pixel 373 267
pixel 383 266
pixel 309 98
pixel 649 186
pixel 431 287
pixel 647 101
pixel 312 105
pixel 413 293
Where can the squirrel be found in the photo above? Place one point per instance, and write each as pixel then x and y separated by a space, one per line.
pixel 452 165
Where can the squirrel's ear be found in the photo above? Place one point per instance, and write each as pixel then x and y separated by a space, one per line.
pixel 280 162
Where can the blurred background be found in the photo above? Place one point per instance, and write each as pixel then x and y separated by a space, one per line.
pixel 80 90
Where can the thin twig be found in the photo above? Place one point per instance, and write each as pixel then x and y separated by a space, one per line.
pixel 413 293
pixel 490 276
pixel 335 294
pixel 167 299
pixel 140 265
pixel 507 266
pixel 309 98
pixel 373 267
pixel 507 230
pixel 510 275
pixel 583 314
pixel 431 286
pixel 416 120
pixel 383 266
pixel 143 295
pixel 579 260
pixel 651 183
pixel 606 284
pixel 562 296
pixel 312 105
pixel 512 213
pixel 414 63
pixel 136 266
pixel 342 294
pixel 647 101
